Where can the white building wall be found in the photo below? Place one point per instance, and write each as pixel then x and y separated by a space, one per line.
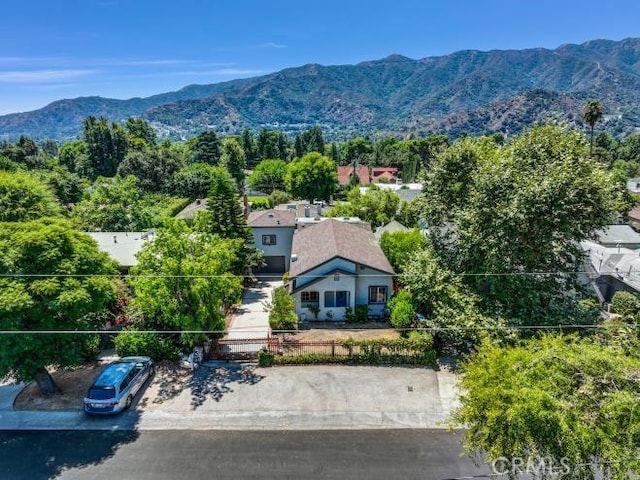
pixel 327 284
pixel 284 237
pixel 368 277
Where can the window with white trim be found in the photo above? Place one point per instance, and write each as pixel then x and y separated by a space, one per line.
pixel 309 298
pixel 338 298
pixel 268 239
pixel 378 294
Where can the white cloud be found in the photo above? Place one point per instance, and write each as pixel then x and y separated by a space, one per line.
pixel 271 45
pixel 42 76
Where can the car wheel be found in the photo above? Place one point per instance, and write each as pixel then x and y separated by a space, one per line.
pixel 129 401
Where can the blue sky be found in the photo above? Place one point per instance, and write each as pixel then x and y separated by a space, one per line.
pixel 53 49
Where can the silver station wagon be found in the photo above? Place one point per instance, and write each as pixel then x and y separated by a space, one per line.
pixel 117 384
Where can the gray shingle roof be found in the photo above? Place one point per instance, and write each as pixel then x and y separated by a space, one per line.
pixel 320 243
pixel 272 218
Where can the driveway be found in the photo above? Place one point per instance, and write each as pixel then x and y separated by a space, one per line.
pixel 233 396
pixel 251 320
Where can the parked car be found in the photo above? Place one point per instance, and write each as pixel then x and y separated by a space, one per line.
pixel 117 384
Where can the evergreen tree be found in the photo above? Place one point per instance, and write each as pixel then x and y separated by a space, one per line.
pixel 234 159
pixel 205 148
pixel 106 146
pixel 249 146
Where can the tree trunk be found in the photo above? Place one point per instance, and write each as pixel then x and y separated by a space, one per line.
pixel 45 382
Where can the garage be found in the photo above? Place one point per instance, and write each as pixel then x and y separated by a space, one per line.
pixel 274 264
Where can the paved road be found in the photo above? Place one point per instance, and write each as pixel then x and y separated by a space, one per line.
pixel 159 455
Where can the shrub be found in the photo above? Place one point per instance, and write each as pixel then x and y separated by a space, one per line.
pixel 402 311
pixel 282 310
pixel 362 313
pixel 132 342
pixel 265 358
pixel 625 303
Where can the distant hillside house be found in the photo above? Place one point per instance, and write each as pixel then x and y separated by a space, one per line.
pixel 335 265
pixel 122 246
pixel 273 233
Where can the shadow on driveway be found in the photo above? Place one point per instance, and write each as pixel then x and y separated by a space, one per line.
pixel 216 381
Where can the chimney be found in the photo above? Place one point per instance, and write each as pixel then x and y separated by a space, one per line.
pixel 307 211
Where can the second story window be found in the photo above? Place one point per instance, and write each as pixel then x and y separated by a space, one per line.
pixel 268 239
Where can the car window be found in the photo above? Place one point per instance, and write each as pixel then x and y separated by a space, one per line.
pixel 102 393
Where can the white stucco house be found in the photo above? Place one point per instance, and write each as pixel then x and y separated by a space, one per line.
pixel 335 265
pixel 273 233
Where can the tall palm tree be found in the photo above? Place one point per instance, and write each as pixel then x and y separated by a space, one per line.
pixel 592 114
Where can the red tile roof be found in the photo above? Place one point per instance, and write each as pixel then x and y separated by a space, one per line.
pixel 345 172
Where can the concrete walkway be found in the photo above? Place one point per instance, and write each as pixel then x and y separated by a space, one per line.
pixel 252 320
pixel 227 396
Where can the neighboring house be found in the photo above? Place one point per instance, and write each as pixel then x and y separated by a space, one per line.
pixel 335 265
pixel 612 269
pixel 273 233
pixel 634 217
pixel 307 222
pixel 122 246
pixel 345 172
pixel 190 211
pixel 406 191
pixel 633 185
pixel 392 226
pixel 618 236
pixel 384 175
pixel 302 209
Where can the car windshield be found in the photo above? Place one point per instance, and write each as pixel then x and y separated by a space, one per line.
pixel 102 393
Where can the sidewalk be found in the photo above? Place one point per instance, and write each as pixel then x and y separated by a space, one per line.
pixel 280 398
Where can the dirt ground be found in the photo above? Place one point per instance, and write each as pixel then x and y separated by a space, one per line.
pixel 321 334
pixel 168 381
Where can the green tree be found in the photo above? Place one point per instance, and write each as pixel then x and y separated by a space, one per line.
pixel 205 148
pixel 554 398
pixel 112 205
pixel 268 176
pixel 185 281
pixel 282 310
pixel 448 303
pixel 357 149
pixel 154 168
pixel 510 212
pixel 23 197
pixel 68 187
pixel 74 156
pixel 225 217
pixel 378 207
pixel 58 303
pixel 249 146
pixel 277 197
pixel 141 134
pixel 592 114
pixel 272 144
pixel 399 247
pixel 193 181
pixel 313 177
pixel 106 146
pixel 234 159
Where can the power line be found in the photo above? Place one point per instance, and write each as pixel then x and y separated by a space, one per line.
pixel 227 275
pixel 425 329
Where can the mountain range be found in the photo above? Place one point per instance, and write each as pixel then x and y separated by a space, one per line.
pixel 468 91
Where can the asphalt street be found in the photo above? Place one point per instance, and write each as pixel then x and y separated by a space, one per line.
pixel 175 454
